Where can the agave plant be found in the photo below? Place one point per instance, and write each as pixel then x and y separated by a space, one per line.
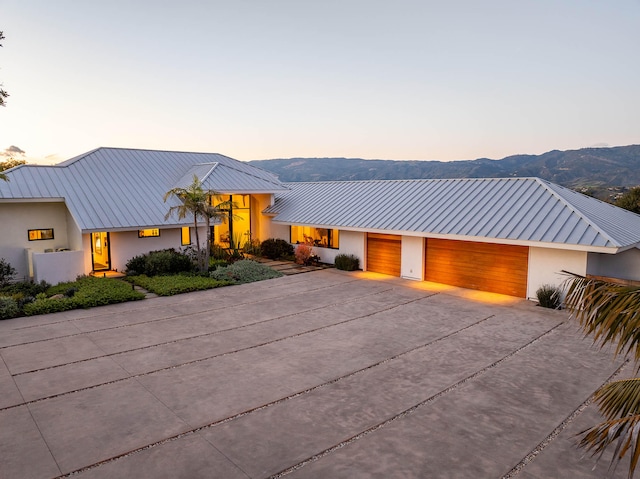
pixel 611 314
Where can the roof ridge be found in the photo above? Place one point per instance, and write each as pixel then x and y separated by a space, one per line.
pixel 159 151
pixel 545 184
pixel 277 182
pixel 214 165
pixel 380 180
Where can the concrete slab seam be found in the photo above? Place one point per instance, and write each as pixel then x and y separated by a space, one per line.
pixel 552 436
pixel 80 333
pixel 408 411
pixel 195 361
pixel 284 399
pixel 213 333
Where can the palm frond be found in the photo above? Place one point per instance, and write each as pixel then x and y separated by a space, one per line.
pixel 622 431
pixel 619 398
pixel 610 312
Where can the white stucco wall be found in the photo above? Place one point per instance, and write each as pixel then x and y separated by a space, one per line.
pixel 277 231
pixel 126 244
pixel 546 264
pixel 350 242
pixel 17 218
pixel 58 267
pixel 624 265
pixel 412 262
pixel 261 225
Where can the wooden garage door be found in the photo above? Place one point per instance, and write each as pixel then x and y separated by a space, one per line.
pixel 484 266
pixel 383 253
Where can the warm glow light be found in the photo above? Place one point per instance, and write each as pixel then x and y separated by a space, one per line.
pixel 428 286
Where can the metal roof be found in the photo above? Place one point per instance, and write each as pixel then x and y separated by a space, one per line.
pixel 511 210
pixel 120 188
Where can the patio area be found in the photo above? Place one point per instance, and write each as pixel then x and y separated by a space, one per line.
pixel 317 375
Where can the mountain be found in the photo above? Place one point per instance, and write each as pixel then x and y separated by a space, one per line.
pixel 585 169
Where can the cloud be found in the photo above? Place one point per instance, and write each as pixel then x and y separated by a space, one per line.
pixel 600 145
pixel 12 151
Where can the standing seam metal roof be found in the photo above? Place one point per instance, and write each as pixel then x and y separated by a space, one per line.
pixel 118 188
pixel 513 209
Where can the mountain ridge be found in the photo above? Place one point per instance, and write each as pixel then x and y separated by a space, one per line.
pixel 582 169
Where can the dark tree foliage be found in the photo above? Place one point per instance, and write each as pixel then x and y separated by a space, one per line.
pixel 630 200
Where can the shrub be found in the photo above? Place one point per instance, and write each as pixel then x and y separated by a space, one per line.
pixel 167 261
pixel 8 307
pixel 549 296
pixel 46 306
pixel 252 246
pixel 303 253
pixel 245 271
pixel 275 248
pixel 177 284
pixel 217 252
pixel 26 288
pixel 216 263
pixel 7 273
pixel 347 262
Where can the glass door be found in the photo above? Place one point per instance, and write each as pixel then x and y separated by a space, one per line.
pixel 100 251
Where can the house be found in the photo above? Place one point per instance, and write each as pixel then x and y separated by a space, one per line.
pixel 503 235
pixel 94 212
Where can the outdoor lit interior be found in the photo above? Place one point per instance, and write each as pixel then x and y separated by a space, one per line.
pixel 236 230
pixel 321 237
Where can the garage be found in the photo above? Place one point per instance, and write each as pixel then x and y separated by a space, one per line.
pixel 496 268
pixel 384 253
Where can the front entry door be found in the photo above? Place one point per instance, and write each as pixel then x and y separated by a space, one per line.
pixel 100 251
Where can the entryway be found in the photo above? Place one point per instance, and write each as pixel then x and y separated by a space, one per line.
pixel 100 253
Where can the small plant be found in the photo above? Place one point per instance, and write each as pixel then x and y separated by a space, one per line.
pixel 252 247
pixel 303 253
pixel 214 264
pixel 275 248
pixel 347 262
pixel 549 296
pixel 7 273
pixel 70 292
pixel 8 307
pixel 218 252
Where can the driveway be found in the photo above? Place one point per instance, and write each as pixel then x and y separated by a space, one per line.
pixel 325 374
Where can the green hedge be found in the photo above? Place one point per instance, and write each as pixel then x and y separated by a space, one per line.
pixel 166 261
pixel 347 262
pixel 176 284
pixel 88 293
pixel 276 248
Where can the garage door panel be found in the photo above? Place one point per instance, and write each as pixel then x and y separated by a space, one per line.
pixel 484 266
pixel 384 253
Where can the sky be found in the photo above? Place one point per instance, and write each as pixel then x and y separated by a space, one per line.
pixel 255 79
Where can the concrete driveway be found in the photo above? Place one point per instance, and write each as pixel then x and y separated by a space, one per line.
pixel 324 375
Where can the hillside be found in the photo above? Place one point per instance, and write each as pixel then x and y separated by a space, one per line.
pixel 592 168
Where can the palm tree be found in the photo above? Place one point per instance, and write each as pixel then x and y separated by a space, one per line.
pixel 611 314
pixel 196 201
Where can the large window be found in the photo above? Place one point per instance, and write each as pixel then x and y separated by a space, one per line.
pixel 235 231
pixel 321 237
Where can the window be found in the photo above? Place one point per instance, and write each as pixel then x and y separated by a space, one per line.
pixel 150 233
pixel 234 231
pixel 43 234
pixel 186 235
pixel 320 237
